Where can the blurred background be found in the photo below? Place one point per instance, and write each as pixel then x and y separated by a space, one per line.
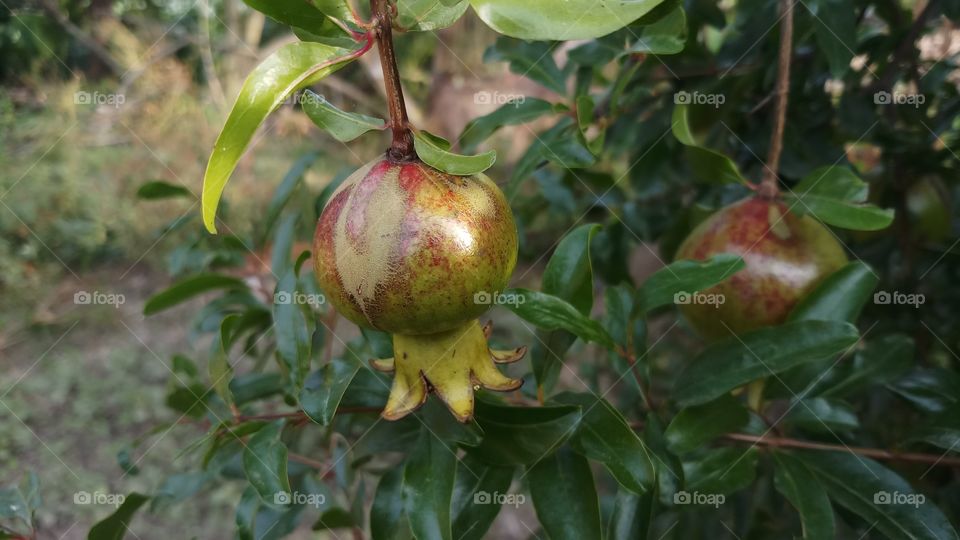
pixel 108 112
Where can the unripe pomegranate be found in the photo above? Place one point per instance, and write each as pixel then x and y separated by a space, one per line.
pixel 786 256
pixel 404 248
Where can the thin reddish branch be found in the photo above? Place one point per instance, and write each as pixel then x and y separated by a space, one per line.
pixel 876 453
pixel 401 149
pixel 768 186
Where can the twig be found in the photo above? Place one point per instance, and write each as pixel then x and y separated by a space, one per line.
pixel 876 453
pixel 905 48
pixel 768 186
pixel 401 149
pixel 300 415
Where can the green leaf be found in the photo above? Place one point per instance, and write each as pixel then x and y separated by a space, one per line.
pixel 795 482
pixel 942 430
pixel 929 389
pixel 822 415
pixel 685 277
pixel 285 190
pixel 334 8
pixel 387 509
pixel 605 436
pixel 116 525
pixel 662 31
pixel 880 361
pixel 289 69
pixel 878 495
pixel 840 296
pixel 428 15
pixel 565 497
pixel 632 516
pixel 833 182
pixel 711 166
pixel 515 112
pixel 569 274
pixel 446 428
pixel 837 196
pixel 296 13
pixel 559 21
pixel 842 214
pixel 477 495
pixel 158 189
pixel 551 313
pixel 528 59
pixel 739 360
pixel 720 472
pixel 694 427
pixel 343 126
pixel 188 288
pixel 559 144
pixel 322 393
pixel 428 487
pixel 290 328
pixel 283 240
pixel 438 157
pixel 265 464
pixel 522 435
pixel 835 28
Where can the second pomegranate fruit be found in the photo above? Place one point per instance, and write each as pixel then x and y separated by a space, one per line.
pixel 786 256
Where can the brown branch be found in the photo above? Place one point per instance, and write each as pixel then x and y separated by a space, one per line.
pixel 768 187
pixel 401 149
pixel 906 48
pixel 876 453
pixel 300 415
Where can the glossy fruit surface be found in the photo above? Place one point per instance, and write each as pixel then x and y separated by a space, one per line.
pixel 408 249
pixel 786 255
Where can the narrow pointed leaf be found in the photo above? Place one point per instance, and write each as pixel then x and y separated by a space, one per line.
pixel 437 156
pixel 795 482
pixel 343 126
pixel 291 68
pixel 428 479
pixel 559 21
pixel 741 359
pixel 565 496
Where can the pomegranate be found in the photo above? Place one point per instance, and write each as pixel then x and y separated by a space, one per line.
pixel 786 256
pixel 407 249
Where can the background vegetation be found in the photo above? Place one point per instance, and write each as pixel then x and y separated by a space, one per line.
pixel 102 98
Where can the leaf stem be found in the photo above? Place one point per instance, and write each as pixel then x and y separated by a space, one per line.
pixel 401 149
pixel 768 186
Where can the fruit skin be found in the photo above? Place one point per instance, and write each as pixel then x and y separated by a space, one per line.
pixel 786 256
pixel 404 248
